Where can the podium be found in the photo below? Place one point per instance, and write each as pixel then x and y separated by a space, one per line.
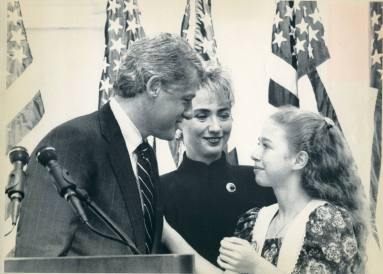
pixel 166 263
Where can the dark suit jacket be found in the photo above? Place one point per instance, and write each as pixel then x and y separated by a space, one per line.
pixel 93 150
pixel 199 206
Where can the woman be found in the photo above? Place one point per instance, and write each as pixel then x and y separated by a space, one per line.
pixel 319 224
pixel 205 196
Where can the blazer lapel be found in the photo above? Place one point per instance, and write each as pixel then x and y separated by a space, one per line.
pixel 122 168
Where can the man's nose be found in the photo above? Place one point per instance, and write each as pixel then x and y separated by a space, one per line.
pixel 188 113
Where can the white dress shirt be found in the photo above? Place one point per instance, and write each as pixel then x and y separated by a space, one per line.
pixel 130 134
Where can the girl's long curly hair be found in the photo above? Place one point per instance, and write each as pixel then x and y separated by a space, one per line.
pixel 331 172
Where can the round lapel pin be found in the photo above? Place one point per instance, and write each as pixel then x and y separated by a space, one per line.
pixel 230 187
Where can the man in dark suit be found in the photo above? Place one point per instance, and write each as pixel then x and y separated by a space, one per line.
pixel 154 89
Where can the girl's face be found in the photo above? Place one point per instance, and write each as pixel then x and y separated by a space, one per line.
pixel 273 158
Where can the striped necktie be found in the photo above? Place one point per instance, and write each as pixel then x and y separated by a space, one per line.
pixel 145 172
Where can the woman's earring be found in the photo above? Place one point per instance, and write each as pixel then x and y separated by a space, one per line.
pixel 178 136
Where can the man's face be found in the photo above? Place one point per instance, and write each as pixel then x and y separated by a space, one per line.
pixel 207 133
pixel 172 105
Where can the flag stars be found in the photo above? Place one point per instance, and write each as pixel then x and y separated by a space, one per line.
pixel 279 39
pixel 115 25
pixel 113 5
pixel 310 50
pixel 105 64
pixel 289 12
pixel 13 17
pixel 117 45
pixel 376 57
pixel 130 7
pixel 292 31
pixel 296 5
pixel 106 85
pixel 132 25
pixel 375 19
pixel 117 65
pixel 17 36
pixel 277 19
pixel 313 34
pixel 300 45
pixel 18 55
pixel 380 33
pixel 315 16
pixel 302 26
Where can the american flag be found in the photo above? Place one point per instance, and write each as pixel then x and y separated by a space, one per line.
pixel 298 49
pixel 25 121
pixel 197 29
pixel 19 57
pixel 121 28
pixel 204 41
pixel 376 74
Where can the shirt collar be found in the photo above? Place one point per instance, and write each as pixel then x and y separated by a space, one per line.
pixel 129 131
pixel 188 163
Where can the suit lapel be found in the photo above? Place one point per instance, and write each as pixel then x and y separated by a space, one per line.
pixel 122 168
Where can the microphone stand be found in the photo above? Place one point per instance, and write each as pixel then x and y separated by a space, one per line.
pixel 83 196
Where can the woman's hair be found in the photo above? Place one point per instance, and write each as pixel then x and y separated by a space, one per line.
pixel 217 81
pixel 331 172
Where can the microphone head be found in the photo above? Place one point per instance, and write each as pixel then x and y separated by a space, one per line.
pixel 45 154
pixel 19 153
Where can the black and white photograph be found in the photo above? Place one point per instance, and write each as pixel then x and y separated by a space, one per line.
pixel 191 136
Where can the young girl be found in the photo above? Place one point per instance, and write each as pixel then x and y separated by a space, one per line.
pixel 319 224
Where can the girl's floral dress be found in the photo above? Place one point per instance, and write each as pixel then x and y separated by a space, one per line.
pixel 329 245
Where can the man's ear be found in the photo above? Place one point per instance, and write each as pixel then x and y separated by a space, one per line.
pixel 301 159
pixel 153 86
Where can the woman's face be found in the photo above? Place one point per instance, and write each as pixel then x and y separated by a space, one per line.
pixel 207 133
pixel 273 158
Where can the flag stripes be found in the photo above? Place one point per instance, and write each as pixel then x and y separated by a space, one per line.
pixel 279 96
pixel 376 76
pixel 25 120
pixel 297 40
pixel 19 58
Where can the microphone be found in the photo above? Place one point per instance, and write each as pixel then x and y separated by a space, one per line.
pixel 19 157
pixel 67 188
pixel 64 184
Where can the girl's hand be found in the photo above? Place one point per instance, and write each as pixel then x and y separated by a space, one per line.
pixel 237 255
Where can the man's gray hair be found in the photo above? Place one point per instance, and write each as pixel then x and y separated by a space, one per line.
pixel 167 56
